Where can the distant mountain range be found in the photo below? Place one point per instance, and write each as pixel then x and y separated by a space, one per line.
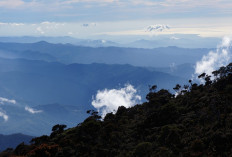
pixel 179 40
pixel 66 53
pixel 67 88
pixel 55 83
pixel 186 42
pixel 11 141
pixel 60 40
pixel 48 82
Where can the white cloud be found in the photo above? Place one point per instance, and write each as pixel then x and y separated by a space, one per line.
pixel 3 115
pixel 11 24
pixel 32 111
pixel 5 100
pixel 156 28
pixel 215 59
pixel 48 27
pixel 107 101
pixel 2 112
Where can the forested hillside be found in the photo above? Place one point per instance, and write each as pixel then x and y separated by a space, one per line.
pixel 197 122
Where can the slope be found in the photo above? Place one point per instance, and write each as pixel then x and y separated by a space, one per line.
pixel 195 123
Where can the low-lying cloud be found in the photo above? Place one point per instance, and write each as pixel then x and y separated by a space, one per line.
pixel 3 115
pixel 32 111
pixel 108 100
pixel 174 38
pixel 215 59
pixel 5 100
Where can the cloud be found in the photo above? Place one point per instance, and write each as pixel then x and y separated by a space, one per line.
pixel 172 67
pixel 174 38
pixel 39 29
pixel 3 115
pixel 32 111
pixel 5 100
pixel 108 10
pixel 2 112
pixel 215 59
pixel 108 100
pixel 11 24
pixel 156 28
pixel 48 27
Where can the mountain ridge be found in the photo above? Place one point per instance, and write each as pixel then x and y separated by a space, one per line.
pixel 108 55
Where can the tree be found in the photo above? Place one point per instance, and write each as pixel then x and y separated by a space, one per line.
pixel 57 129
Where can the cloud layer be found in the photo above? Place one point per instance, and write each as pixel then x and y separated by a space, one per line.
pixel 215 59
pixel 108 100
pixel 109 10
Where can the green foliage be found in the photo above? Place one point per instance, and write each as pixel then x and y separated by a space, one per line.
pixel 196 123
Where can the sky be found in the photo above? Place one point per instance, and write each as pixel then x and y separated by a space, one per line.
pixel 95 18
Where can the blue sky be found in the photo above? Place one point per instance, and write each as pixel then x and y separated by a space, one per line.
pixel 88 18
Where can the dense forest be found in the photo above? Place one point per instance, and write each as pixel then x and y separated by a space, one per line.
pixel 197 122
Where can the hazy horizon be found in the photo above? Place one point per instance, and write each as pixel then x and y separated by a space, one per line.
pixel 96 19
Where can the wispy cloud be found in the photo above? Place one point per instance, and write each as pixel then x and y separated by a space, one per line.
pixel 109 100
pixel 32 111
